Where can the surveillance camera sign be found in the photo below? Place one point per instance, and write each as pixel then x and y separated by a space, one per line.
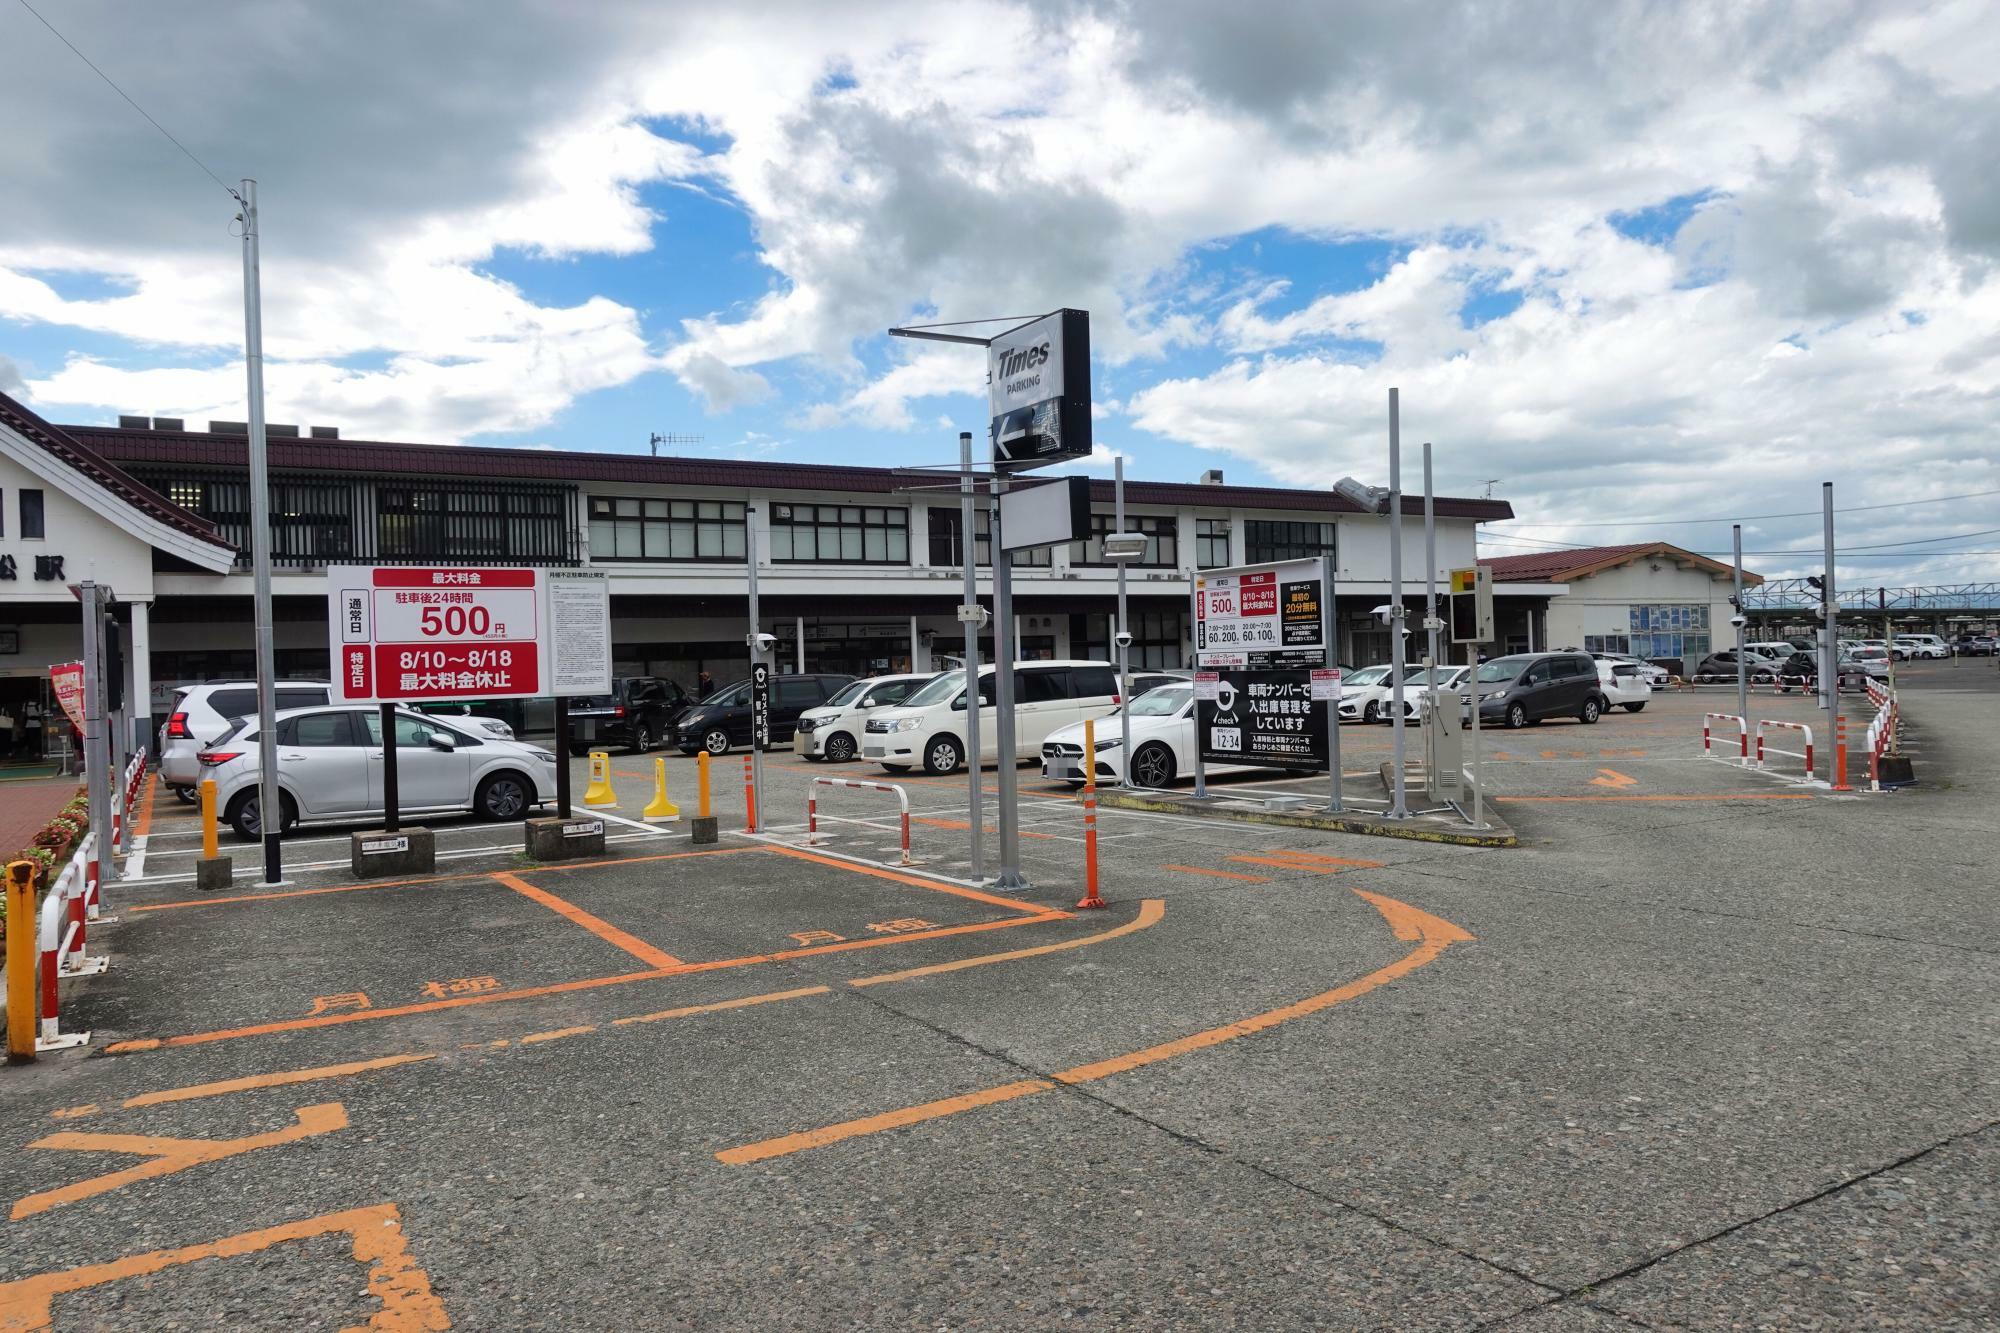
pixel 1038 391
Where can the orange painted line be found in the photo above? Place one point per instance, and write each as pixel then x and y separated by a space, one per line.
pixel 139 1044
pixel 1220 874
pixel 144 824
pixel 962 824
pixel 1287 862
pixel 596 925
pixel 558 1034
pixel 278 1080
pixel 1014 904
pixel 1320 859
pixel 1709 796
pixel 875 1124
pixel 72 1112
pixel 430 879
pixel 1150 912
pixel 408 1305
pixel 690 1010
pixel 1432 935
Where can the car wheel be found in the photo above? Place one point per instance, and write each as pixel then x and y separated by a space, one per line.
pixel 502 797
pixel 1517 717
pixel 1634 708
pixel 1153 766
pixel 1372 713
pixel 185 795
pixel 840 747
pixel 715 741
pixel 244 815
pixel 642 738
pixel 1591 710
pixel 942 755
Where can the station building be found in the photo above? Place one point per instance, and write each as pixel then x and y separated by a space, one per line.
pixel 1652 599
pixel 859 570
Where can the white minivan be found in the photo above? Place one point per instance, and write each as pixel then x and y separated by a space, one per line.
pixel 833 730
pixel 929 727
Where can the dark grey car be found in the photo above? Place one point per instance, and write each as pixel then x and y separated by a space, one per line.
pixel 1527 687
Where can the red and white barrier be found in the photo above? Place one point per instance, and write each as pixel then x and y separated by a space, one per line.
pixel 1806 754
pixel 1742 734
pixel 812 807
pixel 60 939
pixel 131 787
pixel 1881 736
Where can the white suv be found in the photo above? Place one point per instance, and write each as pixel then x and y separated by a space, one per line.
pixel 929 727
pixel 1923 645
pixel 200 713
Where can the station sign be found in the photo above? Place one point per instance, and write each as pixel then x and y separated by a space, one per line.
pixel 1262 617
pixel 409 634
pixel 1038 391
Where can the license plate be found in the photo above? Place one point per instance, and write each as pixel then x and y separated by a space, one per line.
pixel 587 730
pixel 1062 768
pixel 801 742
pixel 873 752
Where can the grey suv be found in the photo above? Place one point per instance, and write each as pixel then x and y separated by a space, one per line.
pixel 1527 687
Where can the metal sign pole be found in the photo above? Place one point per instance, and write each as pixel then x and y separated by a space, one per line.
pixel 1478 789
pixel 1431 622
pixel 96 752
pixel 1119 636
pixel 1328 634
pixel 756 654
pixel 1830 653
pixel 562 756
pixel 270 805
pixel 1200 739
pixel 969 553
pixel 1742 666
pixel 392 791
pixel 1010 879
pixel 1398 809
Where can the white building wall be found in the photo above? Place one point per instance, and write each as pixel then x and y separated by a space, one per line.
pixel 90 547
pixel 1602 603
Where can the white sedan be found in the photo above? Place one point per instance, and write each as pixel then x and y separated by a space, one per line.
pixel 1364 694
pixel 1421 687
pixel 1163 745
pixel 330 769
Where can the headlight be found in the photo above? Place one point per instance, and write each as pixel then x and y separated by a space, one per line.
pixel 906 724
pixel 1113 743
pixel 543 755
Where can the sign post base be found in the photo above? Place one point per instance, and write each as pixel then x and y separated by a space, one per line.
pixel 407 851
pixel 559 839
pixel 212 873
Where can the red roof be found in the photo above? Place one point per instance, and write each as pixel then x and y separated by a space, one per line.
pixel 1563 566
pixel 64 444
pixel 375 457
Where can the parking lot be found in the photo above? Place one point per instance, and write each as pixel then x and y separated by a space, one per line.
pixel 1711 1049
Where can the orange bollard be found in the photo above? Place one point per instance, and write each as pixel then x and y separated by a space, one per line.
pixel 1090 896
pixel 749 798
pixel 1840 755
pixel 702 766
pixel 21 1010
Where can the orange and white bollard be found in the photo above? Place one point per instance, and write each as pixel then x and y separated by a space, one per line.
pixel 1840 755
pixel 749 798
pixel 1090 896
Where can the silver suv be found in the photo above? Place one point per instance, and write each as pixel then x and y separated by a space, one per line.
pixel 200 713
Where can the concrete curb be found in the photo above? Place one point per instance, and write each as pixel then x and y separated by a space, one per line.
pixel 1418 829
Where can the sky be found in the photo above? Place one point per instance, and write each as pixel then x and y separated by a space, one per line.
pixel 1637 268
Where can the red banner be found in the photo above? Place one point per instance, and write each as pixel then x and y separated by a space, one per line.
pixel 67 678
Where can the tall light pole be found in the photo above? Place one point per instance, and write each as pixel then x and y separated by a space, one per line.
pixel 1829 672
pixel 270 804
pixel 1121 636
pixel 1736 600
pixel 1398 809
pixel 969 615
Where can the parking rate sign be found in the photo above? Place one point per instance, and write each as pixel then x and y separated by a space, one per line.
pixel 1263 618
pixel 407 634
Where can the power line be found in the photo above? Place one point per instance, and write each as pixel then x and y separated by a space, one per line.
pixel 1748 518
pixel 231 190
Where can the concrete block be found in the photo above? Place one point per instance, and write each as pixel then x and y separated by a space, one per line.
pixel 410 851
pixel 212 873
pixel 558 839
pixel 705 831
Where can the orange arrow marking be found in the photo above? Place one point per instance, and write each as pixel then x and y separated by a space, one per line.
pixel 1432 936
pixel 1611 777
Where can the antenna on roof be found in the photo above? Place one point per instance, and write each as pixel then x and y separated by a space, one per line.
pixel 1490 483
pixel 673 441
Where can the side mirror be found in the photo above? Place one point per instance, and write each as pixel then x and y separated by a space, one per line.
pixel 958 704
pixel 443 740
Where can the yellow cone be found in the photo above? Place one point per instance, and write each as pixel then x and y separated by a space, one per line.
pixel 661 810
pixel 599 792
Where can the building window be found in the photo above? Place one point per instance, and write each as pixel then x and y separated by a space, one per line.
pixel 1266 540
pixel 1211 543
pixel 31 515
pixel 409 522
pixel 1670 631
pixel 1607 643
pixel 839 535
pixel 669 530
pixel 1162 541
pixel 944 523
pixel 1159 639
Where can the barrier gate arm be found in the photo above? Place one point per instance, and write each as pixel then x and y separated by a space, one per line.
pixel 1807 755
pixel 1742 728
pixel 812 807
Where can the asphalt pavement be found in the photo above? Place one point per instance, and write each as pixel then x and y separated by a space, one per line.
pixel 1713 1049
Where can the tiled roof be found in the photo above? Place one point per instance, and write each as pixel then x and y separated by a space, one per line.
pixel 64 444
pixel 374 457
pixel 1562 566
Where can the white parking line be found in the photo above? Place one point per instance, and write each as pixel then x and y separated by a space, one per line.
pixel 507 850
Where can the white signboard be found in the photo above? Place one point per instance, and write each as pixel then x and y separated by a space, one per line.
pixel 1326 685
pixel 1038 391
pixel 408 633
pixel 1207 685
pixel 1263 617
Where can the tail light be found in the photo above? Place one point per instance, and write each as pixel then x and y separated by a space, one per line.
pixel 177 728
pixel 210 758
pixel 619 711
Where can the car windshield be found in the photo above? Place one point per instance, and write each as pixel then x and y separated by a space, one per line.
pixel 1435 676
pixel 937 691
pixel 739 693
pixel 1367 676
pixel 849 693
pixel 1502 668
pixel 1164 701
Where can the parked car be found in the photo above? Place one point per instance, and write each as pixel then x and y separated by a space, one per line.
pixel 330 769
pixel 1924 645
pixel 201 713
pixel 492 726
pixel 1722 667
pixel 1975 645
pixel 1777 650
pixel 1527 687
pixel 929 727
pixel 1873 659
pixel 1364 694
pixel 1423 688
pixel 1896 650
pixel 638 714
pixel 1656 676
pixel 1144 682
pixel 723 719
pixel 833 730
pixel 1163 742
pixel 1623 685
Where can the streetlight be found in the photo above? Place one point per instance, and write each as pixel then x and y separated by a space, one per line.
pixel 1121 548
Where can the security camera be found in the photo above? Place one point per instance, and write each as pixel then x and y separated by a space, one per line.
pixel 1739 619
pixel 1124 638
pixel 763 643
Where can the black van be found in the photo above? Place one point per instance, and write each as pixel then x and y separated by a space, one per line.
pixel 1527 687
pixel 639 713
pixel 723 719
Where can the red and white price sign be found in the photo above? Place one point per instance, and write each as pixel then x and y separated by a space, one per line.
pixel 1325 685
pixel 410 633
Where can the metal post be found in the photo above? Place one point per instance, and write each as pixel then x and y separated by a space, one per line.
pixel 1431 566
pixel 1118 637
pixel 750 562
pixel 269 803
pixel 799 627
pixel 969 552
pixel 1010 879
pixel 1478 790
pixel 1397 807
pixel 96 745
pixel 392 787
pixel 562 756
pixel 1200 769
pixel 1329 632
pixel 1830 654
pixel 1742 666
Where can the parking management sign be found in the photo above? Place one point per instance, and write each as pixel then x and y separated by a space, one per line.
pixel 1038 391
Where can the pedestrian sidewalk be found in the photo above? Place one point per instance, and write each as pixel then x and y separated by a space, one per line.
pixel 26 806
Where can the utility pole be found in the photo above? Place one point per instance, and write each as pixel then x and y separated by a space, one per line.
pixel 756 657
pixel 968 552
pixel 1397 807
pixel 1006 762
pixel 1736 600
pixel 1830 653
pixel 270 804
pixel 1431 622
pixel 1120 637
